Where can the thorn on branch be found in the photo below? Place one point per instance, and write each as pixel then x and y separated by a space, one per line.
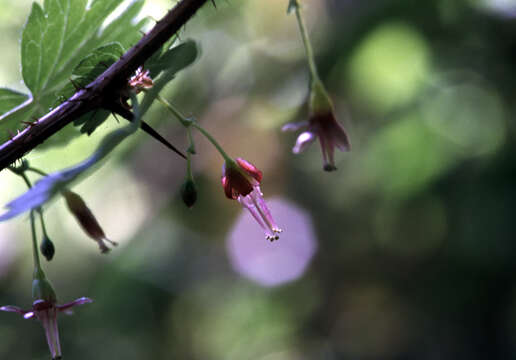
pixel 30 123
pixel 76 86
pixel 126 113
pixel 104 64
pixel 116 117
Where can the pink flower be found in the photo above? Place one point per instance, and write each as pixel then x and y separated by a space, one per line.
pixel 321 124
pixel 241 181
pixel 46 312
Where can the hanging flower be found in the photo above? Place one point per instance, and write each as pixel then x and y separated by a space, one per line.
pixel 87 220
pixel 45 309
pixel 46 312
pixel 321 124
pixel 241 181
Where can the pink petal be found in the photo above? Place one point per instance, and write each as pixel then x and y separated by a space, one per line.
pixel 250 169
pixel 294 126
pixel 340 138
pixel 15 309
pixel 80 301
pixel 29 315
pixel 227 187
pixel 303 141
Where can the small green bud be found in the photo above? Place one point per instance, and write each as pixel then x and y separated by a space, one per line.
pixel 320 102
pixel 47 248
pixel 189 193
pixel 42 289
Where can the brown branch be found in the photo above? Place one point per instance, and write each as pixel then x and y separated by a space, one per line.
pixel 104 90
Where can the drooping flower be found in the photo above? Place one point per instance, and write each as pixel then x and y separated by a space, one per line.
pixel 46 312
pixel 45 309
pixel 87 220
pixel 241 181
pixel 321 124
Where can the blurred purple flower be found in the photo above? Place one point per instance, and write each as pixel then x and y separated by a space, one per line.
pixel 46 312
pixel 321 124
pixel 241 181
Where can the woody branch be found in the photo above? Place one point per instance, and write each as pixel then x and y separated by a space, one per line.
pixel 104 91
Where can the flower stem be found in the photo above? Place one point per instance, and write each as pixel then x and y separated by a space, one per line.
pixel 191 122
pixel 182 119
pixel 37 171
pixel 306 42
pixel 38 272
pixel 42 220
pixel 208 136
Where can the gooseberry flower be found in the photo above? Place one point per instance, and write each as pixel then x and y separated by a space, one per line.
pixel 45 309
pixel 321 124
pixel 241 181
pixel 141 80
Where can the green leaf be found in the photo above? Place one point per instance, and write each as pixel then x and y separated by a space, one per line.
pixel 88 69
pixel 165 67
pixel 56 38
pixel 91 67
pixel 51 185
pixel 10 99
pixel 92 120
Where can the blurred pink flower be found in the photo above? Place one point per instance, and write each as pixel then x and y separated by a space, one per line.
pixel 46 312
pixel 241 181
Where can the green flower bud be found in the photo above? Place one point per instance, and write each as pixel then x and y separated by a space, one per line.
pixel 47 248
pixel 42 289
pixel 189 193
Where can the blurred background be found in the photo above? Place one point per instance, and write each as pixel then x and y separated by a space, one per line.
pixel 406 252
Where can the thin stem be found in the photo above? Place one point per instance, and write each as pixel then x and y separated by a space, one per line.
pixel 37 171
pixel 306 42
pixel 35 251
pixel 191 146
pixel 212 140
pixel 189 174
pixel 190 122
pixel 184 121
pixel 26 179
pixel 189 152
pixel 43 227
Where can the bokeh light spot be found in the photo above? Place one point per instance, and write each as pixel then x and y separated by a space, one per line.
pixel 404 156
pixel 468 115
pixel 272 264
pixel 389 67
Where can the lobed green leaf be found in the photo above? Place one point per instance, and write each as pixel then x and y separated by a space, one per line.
pixel 9 99
pixel 55 39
